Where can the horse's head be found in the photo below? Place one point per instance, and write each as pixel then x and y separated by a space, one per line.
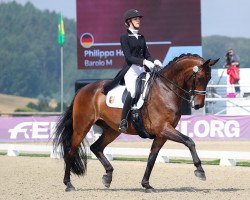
pixel 188 74
pixel 199 76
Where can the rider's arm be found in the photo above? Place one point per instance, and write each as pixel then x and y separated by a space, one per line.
pixel 146 53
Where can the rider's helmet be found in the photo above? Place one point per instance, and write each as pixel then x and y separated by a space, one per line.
pixel 132 13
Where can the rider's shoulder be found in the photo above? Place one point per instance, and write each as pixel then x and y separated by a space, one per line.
pixel 124 37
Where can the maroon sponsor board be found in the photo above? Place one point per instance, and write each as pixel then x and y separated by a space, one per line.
pixel 171 27
pixel 205 127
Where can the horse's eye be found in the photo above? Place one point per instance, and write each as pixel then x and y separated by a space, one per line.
pixel 202 79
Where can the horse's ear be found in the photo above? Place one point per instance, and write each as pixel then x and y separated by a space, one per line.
pixel 213 62
pixel 206 62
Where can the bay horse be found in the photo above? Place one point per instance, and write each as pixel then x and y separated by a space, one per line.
pixel 161 113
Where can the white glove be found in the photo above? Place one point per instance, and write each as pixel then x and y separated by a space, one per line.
pixel 158 63
pixel 148 63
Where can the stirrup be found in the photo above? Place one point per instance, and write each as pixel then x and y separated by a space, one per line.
pixel 123 126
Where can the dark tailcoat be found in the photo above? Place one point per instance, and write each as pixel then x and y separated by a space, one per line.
pixel 135 51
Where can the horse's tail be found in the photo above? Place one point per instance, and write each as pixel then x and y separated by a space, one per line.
pixel 62 139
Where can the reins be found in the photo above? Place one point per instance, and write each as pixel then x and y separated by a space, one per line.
pixel 191 93
pixel 164 79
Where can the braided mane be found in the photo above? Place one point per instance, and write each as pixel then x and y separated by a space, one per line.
pixel 176 59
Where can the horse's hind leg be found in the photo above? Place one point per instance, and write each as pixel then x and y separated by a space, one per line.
pixel 174 135
pixel 108 136
pixel 73 160
pixel 75 156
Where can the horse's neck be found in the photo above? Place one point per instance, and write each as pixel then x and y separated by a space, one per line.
pixel 175 73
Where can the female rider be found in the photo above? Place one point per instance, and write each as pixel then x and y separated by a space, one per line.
pixel 136 57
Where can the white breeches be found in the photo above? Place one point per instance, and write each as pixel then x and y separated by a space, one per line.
pixel 131 76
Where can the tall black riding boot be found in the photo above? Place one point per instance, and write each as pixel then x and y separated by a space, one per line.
pixel 125 112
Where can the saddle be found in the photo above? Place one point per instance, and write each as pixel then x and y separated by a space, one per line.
pixel 139 89
pixel 117 96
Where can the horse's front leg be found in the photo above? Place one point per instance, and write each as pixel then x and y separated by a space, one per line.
pixel 174 135
pixel 155 148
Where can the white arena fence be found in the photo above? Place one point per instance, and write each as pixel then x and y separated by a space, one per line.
pixel 227 158
pixel 221 96
pixel 222 100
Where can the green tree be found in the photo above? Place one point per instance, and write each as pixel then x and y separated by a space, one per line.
pixel 216 46
pixel 30 54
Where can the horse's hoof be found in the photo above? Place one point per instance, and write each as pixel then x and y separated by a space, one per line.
pixel 69 187
pixel 200 175
pixel 106 180
pixel 150 190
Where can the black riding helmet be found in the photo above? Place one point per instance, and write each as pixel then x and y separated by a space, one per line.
pixel 129 14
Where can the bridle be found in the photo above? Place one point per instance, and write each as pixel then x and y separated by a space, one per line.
pixel 192 92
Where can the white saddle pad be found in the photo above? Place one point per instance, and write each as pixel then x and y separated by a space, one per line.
pixel 114 96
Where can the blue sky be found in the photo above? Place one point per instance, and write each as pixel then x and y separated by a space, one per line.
pixel 225 17
pixel 218 17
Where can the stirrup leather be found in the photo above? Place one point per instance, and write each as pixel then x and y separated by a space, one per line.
pixel 123 125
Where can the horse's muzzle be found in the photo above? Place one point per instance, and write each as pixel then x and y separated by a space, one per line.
pixel 196 107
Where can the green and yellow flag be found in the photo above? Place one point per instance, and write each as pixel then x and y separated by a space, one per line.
pixel 61 33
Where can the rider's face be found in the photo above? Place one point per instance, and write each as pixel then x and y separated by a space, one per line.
pixel 136 22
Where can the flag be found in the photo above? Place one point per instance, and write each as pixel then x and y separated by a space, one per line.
pixel 61 33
